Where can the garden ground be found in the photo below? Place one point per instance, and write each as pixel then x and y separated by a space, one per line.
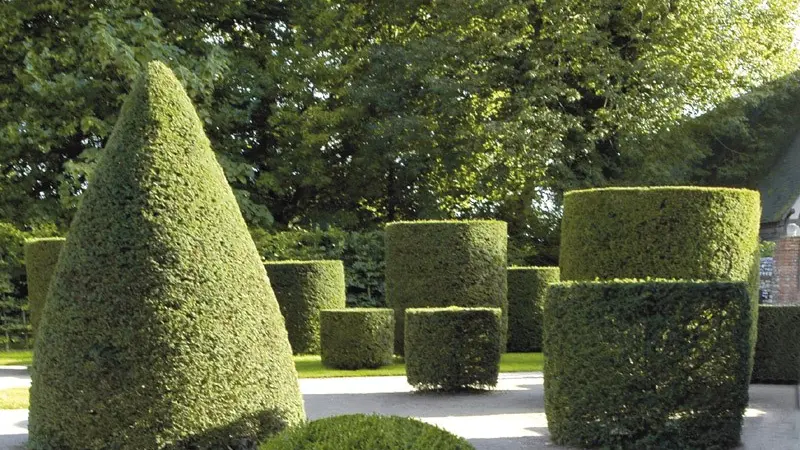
pixel 508 418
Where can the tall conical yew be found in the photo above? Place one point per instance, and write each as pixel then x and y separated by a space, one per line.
pixel 161 330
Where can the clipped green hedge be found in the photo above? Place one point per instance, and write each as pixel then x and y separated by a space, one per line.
pixel 366 432
pixel 41 256
pixel 452 348
pixel 527 287
pixel 646 364
pixel 160 330
pixel 357 338
pixel 445 263
pixel 778 348
pixel 303 289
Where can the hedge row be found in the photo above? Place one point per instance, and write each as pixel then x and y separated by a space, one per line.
pixel 777 357
pixel 452 348
pixel 303 289
pixel 445 263
pixel 527 287
pixel 646 364
pixel 357 338
pixel 41 256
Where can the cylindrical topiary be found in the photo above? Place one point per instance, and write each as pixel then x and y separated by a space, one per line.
pixel 367 432
pixel 527 287
pixel 303 288
pixel 445 263
pixel 452 348
pixel 41 256
pixel 160 329
pixel 777 357
pixel 357 338
pixel 646 364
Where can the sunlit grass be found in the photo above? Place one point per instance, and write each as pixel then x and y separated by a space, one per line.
pixel 16 358
pixel 14 398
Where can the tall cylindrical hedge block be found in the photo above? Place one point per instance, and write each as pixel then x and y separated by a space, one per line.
pixel 41 256
pixel 303 289
pixel 357 338
pixel 452 348
pixel 527 288
pixel 445 263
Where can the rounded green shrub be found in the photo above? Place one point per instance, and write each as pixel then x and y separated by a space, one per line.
pixel 366 432
pixel 303 288
pixel 646 364
pixel 445 263
pixel 527 287
pixel 160 330
pixel 357 338
pixel 41 256
pixel 777 357
pixel 452 348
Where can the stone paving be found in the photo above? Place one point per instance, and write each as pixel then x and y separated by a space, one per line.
pixel 509 418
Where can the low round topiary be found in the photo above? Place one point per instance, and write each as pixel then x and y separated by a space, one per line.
pixel 527 287
pixel 357 338
pixel 445 263
pixel 303 289
pixel 366 432
pixel 452 348
pixel 41 256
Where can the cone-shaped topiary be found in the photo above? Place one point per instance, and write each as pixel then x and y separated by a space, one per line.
pixel 160 330
pixel 41 256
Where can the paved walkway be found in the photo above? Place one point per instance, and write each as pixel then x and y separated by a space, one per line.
pixel 509 418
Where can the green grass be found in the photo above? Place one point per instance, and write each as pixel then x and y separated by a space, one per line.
pixel 16 358
pixel 14 398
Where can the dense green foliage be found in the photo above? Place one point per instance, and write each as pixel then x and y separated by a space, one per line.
pixel 363 432
pixel 453 348
pixel 303 289
pixel 357 338
pixel 527 287
pixel 41 256
pixel 778 347
pixel 646 364
pixel 160 329
pixel 445 263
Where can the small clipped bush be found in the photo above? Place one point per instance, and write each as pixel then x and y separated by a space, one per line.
pixel 160 330
pixel 452 348
pixel 303 288
pixel 646 364
pixel 527 287
pixel 366 432
pixel 445 263
pixel 357 338
pixel 778 348
pixel 41 256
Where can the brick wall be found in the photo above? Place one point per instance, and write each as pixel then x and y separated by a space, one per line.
pixel 787 271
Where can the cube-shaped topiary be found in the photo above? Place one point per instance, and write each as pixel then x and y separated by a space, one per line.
pixel 41 256
pixel 527 287
pixel 778 348
pixel 646 364
pixel 363 432
pixel 445 263
pixel 452 348
pixel 160 329
pixel 357 338
pixel 303 288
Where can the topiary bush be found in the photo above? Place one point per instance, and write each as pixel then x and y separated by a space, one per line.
pixel 357 338
pixel 303 289
pixel 646 364
pixel 160 329
pixel 527 287
pixel 41 256
pixel 367 432
pixel 777 357
pixel 452 348
pixel 445 263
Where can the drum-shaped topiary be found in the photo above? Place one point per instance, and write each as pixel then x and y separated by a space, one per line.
pixel 303 288
pixel 445 263
pixel 527 287
pixel 41 256
pixel 357 338
pixel 160 330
